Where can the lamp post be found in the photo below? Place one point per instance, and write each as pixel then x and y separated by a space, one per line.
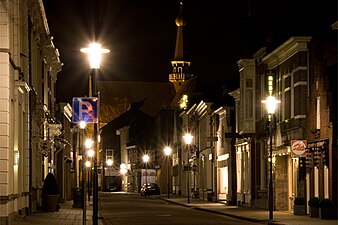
pixel 88 164
pixel 90 155
pixel 82 126
pixel 188 140
pixel 94 52
pixel 167 152
pixel 271 104
pixel 123 172
pixel 146 160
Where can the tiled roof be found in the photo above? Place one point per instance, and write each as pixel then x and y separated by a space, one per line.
pixel 116 97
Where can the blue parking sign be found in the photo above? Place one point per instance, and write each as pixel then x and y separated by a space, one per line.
pixel 85 109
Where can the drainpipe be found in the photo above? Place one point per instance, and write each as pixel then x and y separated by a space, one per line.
pixel 30 94
pixel 213 170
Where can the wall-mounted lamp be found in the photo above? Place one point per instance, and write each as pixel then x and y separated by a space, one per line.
pixel 109 162
pixel 22 86
pixel 16 158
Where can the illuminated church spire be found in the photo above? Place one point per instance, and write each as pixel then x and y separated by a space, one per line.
pixel 180 67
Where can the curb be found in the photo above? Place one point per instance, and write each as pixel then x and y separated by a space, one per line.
pixel 224 213
pixel 230 215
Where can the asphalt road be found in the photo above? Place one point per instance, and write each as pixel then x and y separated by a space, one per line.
pixel 133 209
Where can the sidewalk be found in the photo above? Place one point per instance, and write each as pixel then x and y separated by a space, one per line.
pixel 254 215
pixel 67 215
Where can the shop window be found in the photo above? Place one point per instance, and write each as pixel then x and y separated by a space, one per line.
pixel 316 181
pixel 326 182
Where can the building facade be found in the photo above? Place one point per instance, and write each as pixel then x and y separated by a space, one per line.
pixel 302 69
pixel 29 66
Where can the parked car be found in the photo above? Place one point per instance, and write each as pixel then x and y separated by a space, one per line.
pixel 112 187
pixel 150 189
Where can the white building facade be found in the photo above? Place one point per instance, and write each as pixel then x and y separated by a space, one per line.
pixel 29 64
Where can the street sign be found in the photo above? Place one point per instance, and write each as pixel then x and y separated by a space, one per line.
pixel 85 109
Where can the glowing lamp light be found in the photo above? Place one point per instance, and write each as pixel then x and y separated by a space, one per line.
pixel 94 52
pixel 16 157
pixel 146 158
pixel 89 143
pixel 123 168
pixel 82 124
pixel 90 153
pixel 184 102
pixel 109 162
pixel 271 104
pixel 88 164
pixel 188 138
pixel 167 151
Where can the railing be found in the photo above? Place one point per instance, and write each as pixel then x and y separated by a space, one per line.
pixel 176 76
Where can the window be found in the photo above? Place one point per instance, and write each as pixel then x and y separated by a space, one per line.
pixel 239 169
pixel 287 104
pixel 249 104
pixel 222 140
pixel 316 181
pixel 249 83
pixel 109 155
pixel 249 98
pixel 326 182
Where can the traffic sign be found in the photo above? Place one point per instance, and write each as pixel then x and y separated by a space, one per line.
pixel 85 109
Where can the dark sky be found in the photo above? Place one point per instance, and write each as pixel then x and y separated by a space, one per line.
pixel 141 35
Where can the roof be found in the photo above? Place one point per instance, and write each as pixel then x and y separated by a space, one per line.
pixel 138 121
pixel 209 91
pixel 117 96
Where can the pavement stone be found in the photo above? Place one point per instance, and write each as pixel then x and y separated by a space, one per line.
pixel 67 215
pixel 259 216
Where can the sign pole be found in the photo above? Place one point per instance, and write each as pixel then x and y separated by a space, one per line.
pixel 95 180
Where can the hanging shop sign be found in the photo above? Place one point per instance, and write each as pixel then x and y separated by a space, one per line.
pixel 298 148
pixel 44 146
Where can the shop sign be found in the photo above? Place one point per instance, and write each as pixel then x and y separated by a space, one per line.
pixel 298 148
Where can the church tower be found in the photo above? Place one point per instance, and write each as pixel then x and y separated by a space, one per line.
pixel 180 67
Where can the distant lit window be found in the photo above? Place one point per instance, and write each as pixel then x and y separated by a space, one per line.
pixel 109 155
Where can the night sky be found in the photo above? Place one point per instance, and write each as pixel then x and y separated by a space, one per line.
pixel 141 35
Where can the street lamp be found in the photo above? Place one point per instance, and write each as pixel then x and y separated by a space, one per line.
pixel 271 104
pixel 188 140
pixel 94 52
pixel 146 160
pixel 167 152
